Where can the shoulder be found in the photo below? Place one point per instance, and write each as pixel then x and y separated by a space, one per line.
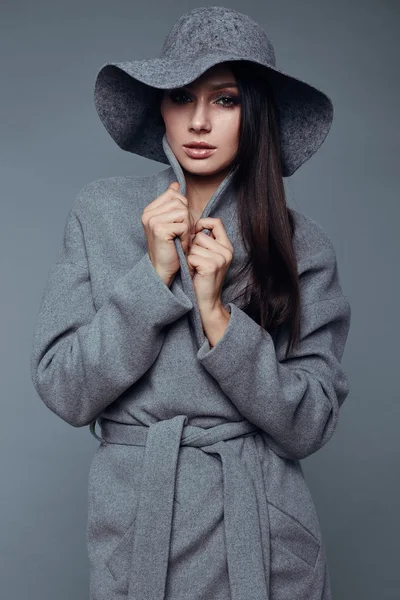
pixel 108 194
pixel 310 237
pixel 316 260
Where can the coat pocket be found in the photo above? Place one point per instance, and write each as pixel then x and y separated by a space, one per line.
pixel 288 533
pixel 118 563
pixel 294 558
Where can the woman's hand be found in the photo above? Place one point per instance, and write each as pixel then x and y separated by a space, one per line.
pixel 165 218
pixel 208 259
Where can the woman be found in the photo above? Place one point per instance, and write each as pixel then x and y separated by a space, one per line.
pixel 201 323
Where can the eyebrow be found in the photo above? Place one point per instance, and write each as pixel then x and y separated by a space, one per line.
pixel 218 86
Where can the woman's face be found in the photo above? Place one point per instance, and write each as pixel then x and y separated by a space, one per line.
pixel 199 112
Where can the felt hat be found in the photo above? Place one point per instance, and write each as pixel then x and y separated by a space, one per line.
pixel 126 94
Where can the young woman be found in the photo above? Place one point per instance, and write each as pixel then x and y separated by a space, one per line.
pixel 201 323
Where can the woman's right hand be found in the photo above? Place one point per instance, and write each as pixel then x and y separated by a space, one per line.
pixel 165 218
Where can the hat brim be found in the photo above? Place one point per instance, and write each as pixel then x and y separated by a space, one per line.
pixel 127 103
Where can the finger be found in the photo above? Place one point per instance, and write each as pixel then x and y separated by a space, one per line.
pixel 203 240
pixel 218 230
pixel 170 193
pixel 167 205
pixel 211 249
pixel 210 253
pixel 178 215
pixel 204 264
pixel 193 261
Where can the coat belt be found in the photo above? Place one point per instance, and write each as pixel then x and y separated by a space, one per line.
pixel 245 504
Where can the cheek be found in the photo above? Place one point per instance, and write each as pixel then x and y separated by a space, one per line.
pixel 174 121
pixel 169 114
pixel 230 132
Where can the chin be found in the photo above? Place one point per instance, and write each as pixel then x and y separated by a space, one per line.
pixel 201 166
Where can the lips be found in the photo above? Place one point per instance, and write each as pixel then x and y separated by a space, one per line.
pixel 199 145
pixel 199 151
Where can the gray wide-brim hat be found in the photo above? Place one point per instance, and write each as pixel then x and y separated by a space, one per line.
pixel 127 94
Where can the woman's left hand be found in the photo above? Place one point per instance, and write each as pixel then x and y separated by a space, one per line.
pixel 208 258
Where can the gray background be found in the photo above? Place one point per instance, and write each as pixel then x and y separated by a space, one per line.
pixel 52 143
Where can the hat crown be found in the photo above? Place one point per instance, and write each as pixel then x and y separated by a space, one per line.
pixel 205 30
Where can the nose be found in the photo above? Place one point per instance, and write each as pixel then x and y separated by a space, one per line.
pixel 200 120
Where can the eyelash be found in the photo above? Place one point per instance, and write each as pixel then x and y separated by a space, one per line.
pixel 233 99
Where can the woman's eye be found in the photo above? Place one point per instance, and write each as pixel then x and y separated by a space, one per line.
pixel 231 101
pixel 177 96
pixel 182 97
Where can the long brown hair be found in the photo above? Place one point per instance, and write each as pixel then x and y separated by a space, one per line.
pixel 265 221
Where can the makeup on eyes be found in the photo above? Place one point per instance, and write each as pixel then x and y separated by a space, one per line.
pixel 234 99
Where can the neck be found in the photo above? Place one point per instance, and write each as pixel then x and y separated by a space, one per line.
pixel 200 188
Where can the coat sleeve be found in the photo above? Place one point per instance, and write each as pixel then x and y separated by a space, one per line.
pixel 83 359
pixel 294 400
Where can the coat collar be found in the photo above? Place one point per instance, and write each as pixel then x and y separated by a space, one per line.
pixel 221 204
pixel 222 201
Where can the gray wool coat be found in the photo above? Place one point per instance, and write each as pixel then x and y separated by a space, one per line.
pixel 196 491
